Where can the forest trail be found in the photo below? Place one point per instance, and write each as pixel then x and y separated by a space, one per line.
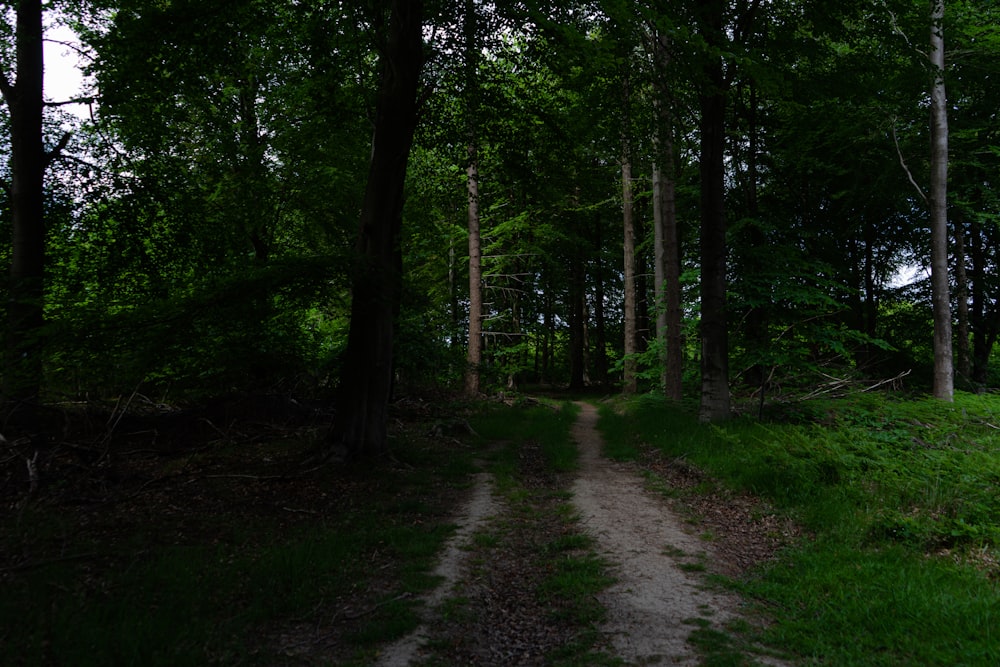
pixel 659 597
pixel 482 504
pixel 658 600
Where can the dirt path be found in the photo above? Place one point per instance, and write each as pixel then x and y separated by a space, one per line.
pixel 658 600
pixel 652 606
pixel 482 504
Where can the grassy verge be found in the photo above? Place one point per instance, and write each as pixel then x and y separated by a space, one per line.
pixel 223 565
pixel 900 498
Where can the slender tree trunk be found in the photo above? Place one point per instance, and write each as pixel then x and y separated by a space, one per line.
pixel 659 268
pixel 366 376
pixel 600 329
pixel 643 325
pixel 944 375
pixel 715 400
pixel 963 356
pixel 453 295
pixel 629 379
pixel 545 370
pixel 755 328
pixel 474 355
pixel 577 308
pixel 977 318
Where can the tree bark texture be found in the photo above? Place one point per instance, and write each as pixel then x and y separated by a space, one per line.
pixel 23 374
pixel 944 375
pixel 366 376
pixel 715 401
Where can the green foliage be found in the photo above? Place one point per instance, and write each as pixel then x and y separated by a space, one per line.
pixel 899 499
pixel 247 331
pixel 546 425
pixel 210 158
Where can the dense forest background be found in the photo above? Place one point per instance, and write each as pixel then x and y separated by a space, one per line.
pixel 645 196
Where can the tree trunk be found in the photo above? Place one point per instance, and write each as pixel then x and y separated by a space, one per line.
pixel 629 379
pixel 715 401
pixel 474 356
pixel 577 310
pixel 28 159
pixel 962 353
pixel 673 386
pixel 474 353
pixel 600 330
pixel 659 267
pixel 366 376
pixel 666 234
pixel 978 319
pixel 944 376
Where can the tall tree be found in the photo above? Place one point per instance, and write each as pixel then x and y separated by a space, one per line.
pixel 630 374
pixel 944 372
pixel 712 126
pixel 28 162
pixel 474 356
pixel 366 377
pixel 667 253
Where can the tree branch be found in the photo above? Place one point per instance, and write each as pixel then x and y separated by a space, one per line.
pixel 73 46
pixel 902 162
pixel 899 31
pixel 54 153
pixel 75 100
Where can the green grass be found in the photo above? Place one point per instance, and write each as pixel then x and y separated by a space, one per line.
pixel 901 498
pixel 546 424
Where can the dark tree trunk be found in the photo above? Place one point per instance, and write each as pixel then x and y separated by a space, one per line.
pixel 674 372
pixel 366 376
pixel 667 253
pixel 977 316
pixel 963 358
pixel 28 159
pixel 715 402
pixel 577 335
pixel 629 375
pixel 643 323
pixel 600 331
